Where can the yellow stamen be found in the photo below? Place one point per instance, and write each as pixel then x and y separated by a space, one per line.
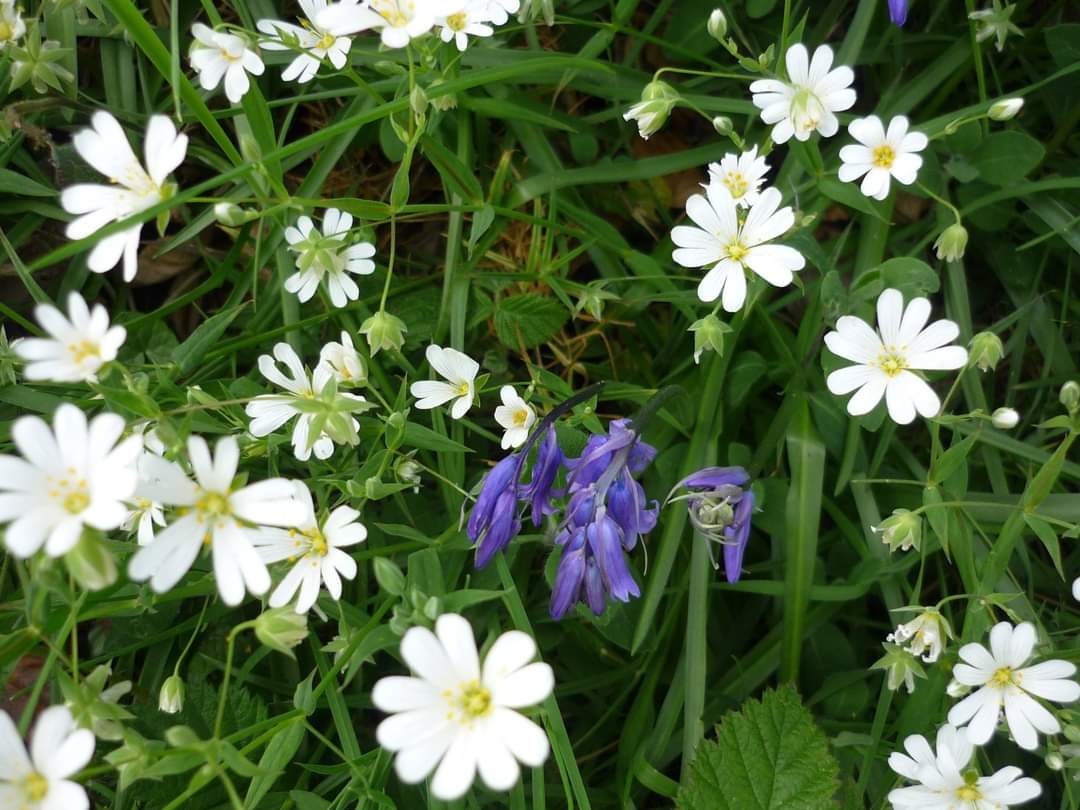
pixel 456 22
pixel 82 350
pixel 736 251
pixel 474 700
pixel 36 787
pixel 76 502
pixel 736 184
pixel 884 156
pixel 891 362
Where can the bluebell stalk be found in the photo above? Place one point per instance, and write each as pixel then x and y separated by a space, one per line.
pixel 721 506
pixel 607 513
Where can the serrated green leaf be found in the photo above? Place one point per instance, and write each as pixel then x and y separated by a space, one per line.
pixel 767 756
pixel 526 321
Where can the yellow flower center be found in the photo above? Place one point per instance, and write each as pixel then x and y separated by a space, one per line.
pixel 393 12
pixel 892 362
pixel 736 251
pixel 521 417
pixel 736 184
pixel 1005 677
pixel 474 701
pixel 82 350
pixel 456 22
pixel 968 793
pixel 72 492
pixel 806 111
pixel 5 31
pixel 884 156
pixel 463 389
pixel 212 504
pixel 327 42
pixel 76 502
pixel 36 787
pixel 318 542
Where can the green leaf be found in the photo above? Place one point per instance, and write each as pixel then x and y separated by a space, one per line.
pixel 1007 157
pixel 526 321
pixel 768 756
pixel 848 194
pixel 911 276
pixel 424 438
pixel 1049 538
pixel 951 460
pixel 191 351
pixel 278 754
pixel 459 180
pixel 15 183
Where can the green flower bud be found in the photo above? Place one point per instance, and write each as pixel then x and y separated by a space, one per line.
pixel 1069 396
pixel 658 99
pixel 986 351
pixel 232 215
pixel 407 471
pixel 383 331
pixel 90 563
pixel 723 126
pixel 281 629
pixel 171 696
pixel 901 667
pixel 717 25
pixel 1006 109
pixel 418 100
pixel 951 243
pixel 445 102
pixel 1054 761
pixel 901 530
pixel 1005 418
pixel 708 336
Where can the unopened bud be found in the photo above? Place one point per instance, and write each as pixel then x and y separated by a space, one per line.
pixel 986 351
pixel 1005 418
pixel 901 530
pixel 171 696
pixel 383 331
pixel 658 99
pixel 717 25
pixel 1054 761
pixel 90 563
pixel 1006 109
pixel 1070 395
pixel 281 629
pixel 231 215
pixel 955 689
pixel 708 336
pixel 418 100
pixel 952 242
pixel 722 124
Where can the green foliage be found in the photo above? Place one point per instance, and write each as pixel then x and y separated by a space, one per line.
pixel 769 755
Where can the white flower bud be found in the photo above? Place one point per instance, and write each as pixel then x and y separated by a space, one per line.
pixel 171 696
pixel 722 124
pixel 955 689
pixel 1054 761
pixel 1006 109
pixel 1005 418
pixel 717 25
pixel 658 99
pixel 952 242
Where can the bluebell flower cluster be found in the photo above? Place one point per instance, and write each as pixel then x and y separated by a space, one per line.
pixel 606 514
pixel 721 506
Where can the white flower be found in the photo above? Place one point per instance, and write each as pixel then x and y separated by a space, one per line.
pixel 468 22
pixel 460 715
pixel 12 26
pixel 399 21
pixel 810 97
pixel 459 369
pixel 1005 418
pixel 658 99
pixel 881 155
pixel 516 417
pixel 732 247
pixel 946 783
pixel 217 516
pixel 217 54
pixel 344 361
pixel 39 780
pixel 885 359
pixel 316 553
pixel 271 411
pixel 325 255
pixel 499 11
pixel 1006 109
pixel 141 519
pixel 317 43
pixel 995 22
pixel 1005 681
pixel 77 346
pixel 1076 589
pixel 927 633
pixel 105 147
pixel 72 476
pixel 742 175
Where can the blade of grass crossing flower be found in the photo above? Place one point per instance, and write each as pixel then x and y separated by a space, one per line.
pixel 806 456
pixel 339 709
pixel 561 747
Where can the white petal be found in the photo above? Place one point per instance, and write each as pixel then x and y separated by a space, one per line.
pixel 458 768
pixel 510 652
pixel 427 658
pixel 526 741
pixel 413 764
pixel 868 396
pixel 527 686
pixel 845 380
pixel 456 637
pixel 12 752
pixel 1021 644
pixel 890 308
pixel 401 694
pixel 497 766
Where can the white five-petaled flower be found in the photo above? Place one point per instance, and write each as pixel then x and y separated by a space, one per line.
pixel 217 516
pixel 314 551
pixel 344 361
pixel 217 54
pixel 731 248
pixel 40 779
pixel 459 369
pixel 316 44
pixel 271 411
pixel 516 417
pixel 141 519
pixel 470 21
pixel 398 21
pixel 460 715
pixel 742 175
pixel 77 346
pixel 324 255
pixel 886 359
pixel 881 155
pixel 809 99
pixel 925 635
pixel 12 25
pixel 134 188
pixel 74 475
pixel 946 783
pixel 1006 682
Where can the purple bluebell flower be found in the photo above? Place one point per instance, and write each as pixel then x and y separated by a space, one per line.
pixel 539 491
pixel 606 514
pixel 721 506
pixel 898 11
pixel 494 520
